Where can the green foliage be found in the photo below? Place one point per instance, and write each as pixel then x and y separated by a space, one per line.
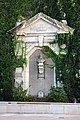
pixel 57 94
pixel 68 67
pixel 71 62
pixel 10 11
pixel 48 7
pixel 19 94
pixel 20 52
pixel 49 53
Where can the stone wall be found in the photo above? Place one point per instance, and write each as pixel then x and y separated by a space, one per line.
pixel 37 84
pixel 40 108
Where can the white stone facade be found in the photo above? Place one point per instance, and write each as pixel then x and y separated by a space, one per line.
pixel 37 32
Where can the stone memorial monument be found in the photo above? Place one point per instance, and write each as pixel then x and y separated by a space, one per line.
pixel 37 32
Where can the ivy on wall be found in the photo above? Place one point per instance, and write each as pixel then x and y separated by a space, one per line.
pixel 63 41
pixel 20 52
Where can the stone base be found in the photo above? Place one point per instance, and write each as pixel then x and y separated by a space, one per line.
pixel 39 108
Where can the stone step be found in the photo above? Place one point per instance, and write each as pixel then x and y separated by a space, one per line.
pixel 39 108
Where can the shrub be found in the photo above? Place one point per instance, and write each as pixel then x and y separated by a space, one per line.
pixel 29 98
pixel 19 94
pixel 57 94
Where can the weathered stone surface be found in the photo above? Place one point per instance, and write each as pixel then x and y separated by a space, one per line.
pixel 40 108
pixel 40 84
pixel 38 31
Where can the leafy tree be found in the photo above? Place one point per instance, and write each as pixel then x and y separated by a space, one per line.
pixel 57 94
pixel 10 11
pixel 48 7
pixel 71 62
pixel 67 66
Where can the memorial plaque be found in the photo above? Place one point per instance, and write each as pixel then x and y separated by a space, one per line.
pixel 40 94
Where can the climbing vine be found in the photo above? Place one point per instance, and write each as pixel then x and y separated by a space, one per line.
pixel 20 52
pixel 63 41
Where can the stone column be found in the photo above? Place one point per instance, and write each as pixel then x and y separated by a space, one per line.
pixel 26 76
pixel 54 76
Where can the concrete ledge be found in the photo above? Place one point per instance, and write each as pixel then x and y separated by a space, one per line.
pixel 38 117
pixel 39 108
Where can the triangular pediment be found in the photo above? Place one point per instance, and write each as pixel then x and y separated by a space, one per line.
pixel 40 23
